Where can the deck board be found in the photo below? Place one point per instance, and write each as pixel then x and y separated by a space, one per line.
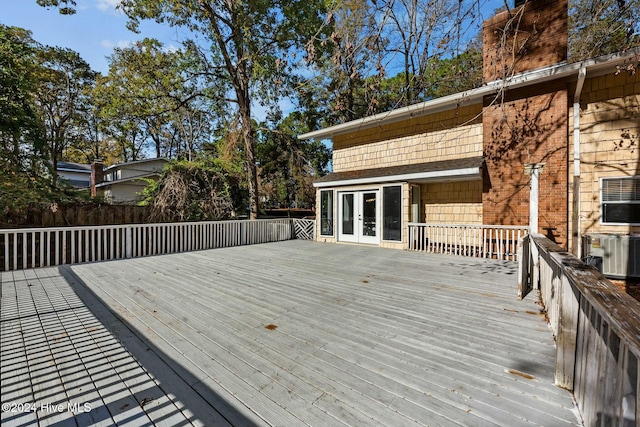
pixel 359 336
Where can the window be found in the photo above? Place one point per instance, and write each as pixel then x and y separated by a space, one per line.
pixel 621 200
pixel 392 213
pixel 326 213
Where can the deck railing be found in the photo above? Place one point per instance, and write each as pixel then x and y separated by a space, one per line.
pixel 597 329
pixel 42 247
pixel 480 241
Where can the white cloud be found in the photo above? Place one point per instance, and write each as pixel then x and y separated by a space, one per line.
pixel 122 44
pixel 171 48
pixel 105 5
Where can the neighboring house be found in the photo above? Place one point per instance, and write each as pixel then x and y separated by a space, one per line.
pixel 75 174
pixel 569 130
pixel 124 182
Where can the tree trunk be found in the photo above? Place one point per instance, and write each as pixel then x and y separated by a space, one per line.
pixel 249 148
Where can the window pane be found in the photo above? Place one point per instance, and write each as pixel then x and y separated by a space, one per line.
pixel 326 213
pixel 621 213
pixel 620 190
pixel 392 213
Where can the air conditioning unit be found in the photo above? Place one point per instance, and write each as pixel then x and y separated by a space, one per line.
pixel 616 256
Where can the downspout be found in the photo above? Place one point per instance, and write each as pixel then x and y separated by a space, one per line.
pixel 575 214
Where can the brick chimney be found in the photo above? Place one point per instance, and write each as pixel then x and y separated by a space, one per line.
pixel 532 35
pixel 526 128
pixel 97 175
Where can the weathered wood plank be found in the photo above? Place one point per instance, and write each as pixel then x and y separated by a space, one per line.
pixel 193 405
pixel 360 335
pixel 14 373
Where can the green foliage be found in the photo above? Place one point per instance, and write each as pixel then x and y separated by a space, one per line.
pixel 452 75
pixel 191 191
pixel 599 27
pixel 65 7
pixel 153 98
pixel 288 165
pixel 64 80
pixel 21 191
pixel 21 130
pixel 247 47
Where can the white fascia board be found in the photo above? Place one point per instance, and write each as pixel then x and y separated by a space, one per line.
pixel 134 162
pixel 74 170
pixel 124 180
pixel 466 173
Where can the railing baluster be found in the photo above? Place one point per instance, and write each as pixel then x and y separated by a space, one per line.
pixel 88 245
pixel 75 246
pixel 24 250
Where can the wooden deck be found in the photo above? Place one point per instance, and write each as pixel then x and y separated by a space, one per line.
pixel 281 334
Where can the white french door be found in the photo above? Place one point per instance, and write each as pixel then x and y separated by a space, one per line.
pixel 359 217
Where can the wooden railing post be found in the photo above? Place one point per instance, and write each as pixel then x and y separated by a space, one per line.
pixel 567 323
pixel 525 281
pixel 597 331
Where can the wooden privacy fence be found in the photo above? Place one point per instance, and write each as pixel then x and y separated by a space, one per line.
pixel 42 247
pixel 480 241
pixel 597 329
pixel 75 215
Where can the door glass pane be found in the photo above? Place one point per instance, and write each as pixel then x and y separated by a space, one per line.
pixel 347 214
pixel 392 213
pixel 326 213
pixel 369 214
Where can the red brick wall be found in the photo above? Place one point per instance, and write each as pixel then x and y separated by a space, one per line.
pixel 527 127
pixel 535 36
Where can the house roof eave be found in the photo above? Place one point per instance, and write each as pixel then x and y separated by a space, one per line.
pixel 119 165
pixel 127 180
pixel 594 67
pixel 444 170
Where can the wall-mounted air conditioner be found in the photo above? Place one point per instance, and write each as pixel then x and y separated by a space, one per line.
pixel 615 255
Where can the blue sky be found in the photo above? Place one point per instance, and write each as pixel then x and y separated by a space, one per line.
pixel 97 27
pixel 93 32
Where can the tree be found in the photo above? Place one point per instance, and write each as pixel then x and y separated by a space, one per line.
pixel 417 32
pixel 91 142
pixel 446 76
pixel 151 88
pixel 288 165
pixel 64 82
pixel 410 40
pixel 190 191
pixel 346 59
pixel 65 7
pixel 599 27
pixel 21 135
pixel 250 45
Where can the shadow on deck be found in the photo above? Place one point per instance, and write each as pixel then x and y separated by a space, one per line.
pixel 289 333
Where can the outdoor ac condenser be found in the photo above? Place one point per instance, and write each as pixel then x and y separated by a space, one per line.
pixel 616 256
